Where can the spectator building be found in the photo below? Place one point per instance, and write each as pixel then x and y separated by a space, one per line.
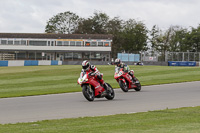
pixel 61 47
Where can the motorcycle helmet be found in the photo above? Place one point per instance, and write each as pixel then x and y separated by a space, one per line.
pixel 86 65
pixel 117 61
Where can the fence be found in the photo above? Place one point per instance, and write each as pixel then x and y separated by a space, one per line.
pixel 170 56
pixel 7 56
pixel 182 56
pixel 150 56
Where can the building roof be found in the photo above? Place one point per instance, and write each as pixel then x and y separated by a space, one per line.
pixel 56 36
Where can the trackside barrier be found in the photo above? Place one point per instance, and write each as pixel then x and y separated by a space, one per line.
pixel 54 62
pixel 3 63
pixel 16 63
pixel 181 63
pixel 29 62
pixel 46 62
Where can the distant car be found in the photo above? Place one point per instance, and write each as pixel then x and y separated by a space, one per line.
pixel 139 63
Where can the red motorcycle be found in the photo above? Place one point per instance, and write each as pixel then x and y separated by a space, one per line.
pixel 91 88
pixel 126 81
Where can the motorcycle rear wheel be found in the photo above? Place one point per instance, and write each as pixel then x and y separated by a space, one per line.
pixel 111 93
pixel 88 92
pixel 123 86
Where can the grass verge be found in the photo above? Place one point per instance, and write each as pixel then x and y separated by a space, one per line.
pixel 41 80
pixel 183 120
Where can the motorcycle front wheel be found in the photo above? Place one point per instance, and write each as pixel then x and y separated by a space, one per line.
pixel 138 85
pixel 88 92
pixel 123 86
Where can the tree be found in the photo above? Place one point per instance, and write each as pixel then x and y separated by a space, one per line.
pixel 114 27
pixel 94 25
pixel 84 27
pixel 170 40
pixel 65 23
pixel 177 39
pixel 192 40
pixel 100 21
pixel 134 36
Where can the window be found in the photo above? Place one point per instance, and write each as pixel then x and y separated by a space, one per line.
pixel 52 43
pixel 100 43
pixel 10 42
pixel 86 55
pixel 77 56
pixel 31 55
pixel 3 41
pixel 17 42
pixel 23 42
pixel 66 43
pixel 21 56
pixel 59 43
pixel 95 55
pixel 98 56
pixel 68 55
pixel 39 56
pixel 78 43
pixel 37 43
pixel 72 43
pixel 94 44
pixel 87 43
pixel 106 44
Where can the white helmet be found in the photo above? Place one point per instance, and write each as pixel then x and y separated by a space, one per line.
pixel 85 65
pixel 117 61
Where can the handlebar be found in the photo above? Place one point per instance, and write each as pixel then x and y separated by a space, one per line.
pixel 92 74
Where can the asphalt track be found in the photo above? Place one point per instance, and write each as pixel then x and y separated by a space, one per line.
pixel 72 105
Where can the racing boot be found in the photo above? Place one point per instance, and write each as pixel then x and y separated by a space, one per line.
pixel 134 79
pixel 105 86
pixel 105 92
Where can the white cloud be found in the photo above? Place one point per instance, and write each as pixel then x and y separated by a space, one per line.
pixel 31 15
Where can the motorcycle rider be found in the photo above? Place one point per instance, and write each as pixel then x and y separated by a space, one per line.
pixel 125 67
pixel 87 67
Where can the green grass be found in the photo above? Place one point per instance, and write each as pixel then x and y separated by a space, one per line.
pixel 183 120
pixel 41 80
pixel 38 80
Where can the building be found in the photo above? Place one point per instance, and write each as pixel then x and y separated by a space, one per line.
pixel 63 47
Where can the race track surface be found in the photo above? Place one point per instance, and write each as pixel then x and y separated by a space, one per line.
pixel 72 105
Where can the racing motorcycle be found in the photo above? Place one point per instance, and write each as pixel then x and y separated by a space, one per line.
pixel 91 87
pixel 126 81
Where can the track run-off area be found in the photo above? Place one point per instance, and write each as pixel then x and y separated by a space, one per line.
pixel 74 105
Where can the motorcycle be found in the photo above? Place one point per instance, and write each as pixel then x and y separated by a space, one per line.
pixel 126 81
pixel 91 88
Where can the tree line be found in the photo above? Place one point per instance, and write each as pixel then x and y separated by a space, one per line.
pixel 129 35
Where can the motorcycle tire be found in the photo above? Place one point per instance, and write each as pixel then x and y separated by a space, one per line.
pixel 138 86
pixel 123 86
pixel 88 92
pixel 111 93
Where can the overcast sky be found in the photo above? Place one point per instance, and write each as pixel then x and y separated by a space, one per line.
pixel 31 16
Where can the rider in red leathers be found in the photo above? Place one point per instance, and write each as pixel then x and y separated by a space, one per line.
pixel 126 68
pixel 91 68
